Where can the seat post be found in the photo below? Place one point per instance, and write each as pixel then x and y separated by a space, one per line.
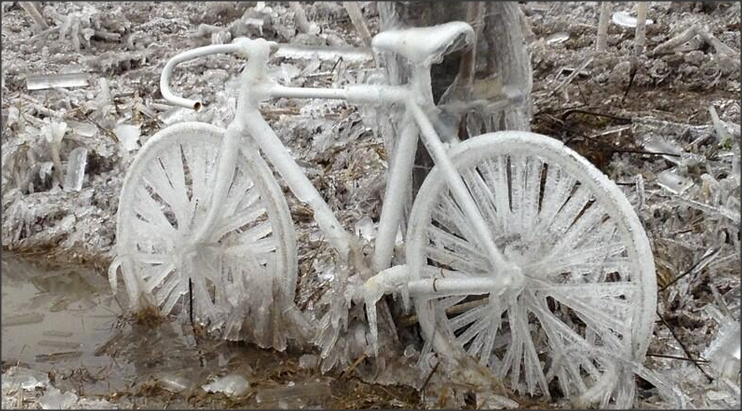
pixel 421 84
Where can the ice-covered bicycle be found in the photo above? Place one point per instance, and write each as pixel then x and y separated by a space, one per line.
pixel 519 252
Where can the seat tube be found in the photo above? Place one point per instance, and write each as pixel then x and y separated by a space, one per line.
pixel 398 181
pixel 456 183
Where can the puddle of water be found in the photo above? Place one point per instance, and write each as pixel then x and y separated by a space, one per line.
pixel 54 317
pixel 64 320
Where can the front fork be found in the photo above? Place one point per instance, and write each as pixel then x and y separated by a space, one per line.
pixel 225 169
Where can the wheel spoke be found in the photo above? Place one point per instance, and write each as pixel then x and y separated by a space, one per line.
pixel 196 158
pixel 495 173
pixel 531 192
pixel 241 189
pixel 592 257
pixel 482 197
pixel 167 293
pixel 576 233
pixel 151 211
pixel 556 191
pixel 447 240
pixel 148 234
pixel 468 317
pixel 538 308
pixel 151 258
pixel 156 279
pixel 594 316
pixel 545 316
pixel 572 208
pixel 477 327
pixel 453 260
pixel 176 194
pixel 494 326
pixel 263 246
pixel 450 215
pixel 517 191
pixel 231 223
pixel 533 372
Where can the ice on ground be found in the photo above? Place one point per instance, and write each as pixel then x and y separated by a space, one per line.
pixel 673 181
pixel 724 350
pixel 75 175
pixel 175 382
pixel 128 135
pixel 309 361
pixel 47 81
pixel 295 395
pixel 233 385
pixel 54 399
pixel 366 228
pixel 24 378
pixel 625 19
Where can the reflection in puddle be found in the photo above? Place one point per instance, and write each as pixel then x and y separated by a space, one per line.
pixel 55 317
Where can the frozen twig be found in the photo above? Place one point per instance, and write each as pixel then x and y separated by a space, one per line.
pixel 683 347
pixel 528 34
pixel 640 38
pixel 602 41
pixel 356 17
pixel 301 18
pixel 670 45
pixel 43 34
pixel 721 131
pixel 35 15
pixel 53 132
pixel 572 75
pixel 676 41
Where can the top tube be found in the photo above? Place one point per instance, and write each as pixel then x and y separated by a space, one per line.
pixel 296 51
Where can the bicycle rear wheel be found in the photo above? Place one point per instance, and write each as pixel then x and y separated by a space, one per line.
pixel 245 268
pixel 589 280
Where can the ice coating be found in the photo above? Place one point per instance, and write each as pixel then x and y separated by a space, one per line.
pixel 582 225
pixel 246 251
pixel 233 385
pixel 624 19
pixel 76 163
pixel 425 45
pixel 529 235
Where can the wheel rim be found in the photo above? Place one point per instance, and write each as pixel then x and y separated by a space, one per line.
pixel 589 275
pixel 163 203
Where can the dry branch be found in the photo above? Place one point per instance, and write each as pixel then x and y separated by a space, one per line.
pixel 602 41
pixel 300 18
pixel 356 17
pixel 640 38
pixel 33 12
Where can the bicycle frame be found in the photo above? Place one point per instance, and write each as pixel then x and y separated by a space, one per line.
pixel 249 126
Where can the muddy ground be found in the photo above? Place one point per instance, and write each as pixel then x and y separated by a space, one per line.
pixel 643 120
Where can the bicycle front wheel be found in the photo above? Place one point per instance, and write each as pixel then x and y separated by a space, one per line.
pixel 588 271
pixel 246 267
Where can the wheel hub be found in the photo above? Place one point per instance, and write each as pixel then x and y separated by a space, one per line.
pixel 510 280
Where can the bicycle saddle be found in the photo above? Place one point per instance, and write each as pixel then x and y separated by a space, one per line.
pixel 425 45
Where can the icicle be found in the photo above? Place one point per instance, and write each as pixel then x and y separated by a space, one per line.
pixel 76 169
pixel 47 81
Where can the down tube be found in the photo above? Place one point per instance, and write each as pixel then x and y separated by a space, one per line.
pixel 299 184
